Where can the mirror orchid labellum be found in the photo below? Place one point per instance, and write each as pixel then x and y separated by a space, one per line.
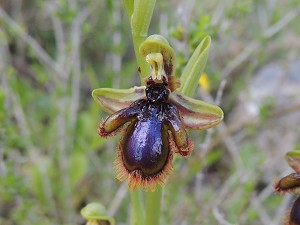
pixel 155 118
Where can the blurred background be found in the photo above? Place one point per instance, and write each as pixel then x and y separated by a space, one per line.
pixel 54 53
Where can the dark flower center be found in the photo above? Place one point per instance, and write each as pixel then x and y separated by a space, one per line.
pixel 157 92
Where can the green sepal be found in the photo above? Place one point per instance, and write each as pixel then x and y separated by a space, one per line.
pixel 112 100
pixel 194 68
pixel 293 159
pixel 158 44
pixel 129 6
pixel 196 114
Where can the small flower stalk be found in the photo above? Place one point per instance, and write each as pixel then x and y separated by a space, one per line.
pixel 291 184
pixel 154 119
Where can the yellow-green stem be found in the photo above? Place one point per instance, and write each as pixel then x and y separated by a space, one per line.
pixel 153 206
pixel 140 21
pixel 138 213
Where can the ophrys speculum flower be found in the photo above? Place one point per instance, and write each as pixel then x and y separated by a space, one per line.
pixel 155 118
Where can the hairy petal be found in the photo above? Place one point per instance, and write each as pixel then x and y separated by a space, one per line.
pixel 290 183
pixel 113 100
pixel 196 114
pixel 111 124
pixel 180 138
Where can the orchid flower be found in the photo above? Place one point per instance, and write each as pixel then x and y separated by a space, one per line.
pixel 154 119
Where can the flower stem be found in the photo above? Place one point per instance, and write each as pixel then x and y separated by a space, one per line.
pixel 140 21
pixel 138 214
pixel 153 206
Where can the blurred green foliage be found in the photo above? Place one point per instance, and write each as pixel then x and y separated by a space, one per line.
pixel 52 161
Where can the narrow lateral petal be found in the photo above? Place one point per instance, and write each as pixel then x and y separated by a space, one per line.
pixel 112 124
pixel 290 183
pixel 196 114
pixel 182 144
pixel 113 100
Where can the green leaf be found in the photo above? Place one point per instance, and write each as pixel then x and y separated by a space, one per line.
pixel 194 68
pixel 78 165
pixel 129 5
